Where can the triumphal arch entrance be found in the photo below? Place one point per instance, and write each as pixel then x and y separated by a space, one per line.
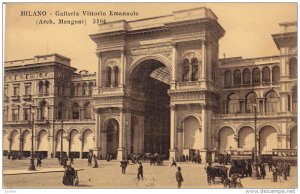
pixel 157 84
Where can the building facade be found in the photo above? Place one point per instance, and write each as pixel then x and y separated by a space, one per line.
pixel 160 87
pixel 46 95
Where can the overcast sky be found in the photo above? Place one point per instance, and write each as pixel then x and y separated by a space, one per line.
pixel 248 28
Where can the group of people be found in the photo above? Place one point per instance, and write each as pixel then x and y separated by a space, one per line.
pixel 70 177
pixel 92 160
pixel 15 155
pixel 279 169
pixel 196 158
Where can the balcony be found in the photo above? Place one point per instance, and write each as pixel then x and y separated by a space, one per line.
pixel 42 122
pixel 27 97
pixel 15 98
pixel 18 122
pixel 6 98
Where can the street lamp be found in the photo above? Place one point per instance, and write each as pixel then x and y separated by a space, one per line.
pixel 31 166
pixel 61 141
pixel 255 157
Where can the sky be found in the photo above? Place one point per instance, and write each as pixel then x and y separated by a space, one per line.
pixel 248 28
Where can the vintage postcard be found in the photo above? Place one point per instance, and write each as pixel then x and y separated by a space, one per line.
pixel 150 95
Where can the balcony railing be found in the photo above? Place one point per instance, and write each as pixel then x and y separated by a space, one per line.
pixel 27 97
pixel 15 98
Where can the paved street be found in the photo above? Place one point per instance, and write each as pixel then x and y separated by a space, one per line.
pixel 108 175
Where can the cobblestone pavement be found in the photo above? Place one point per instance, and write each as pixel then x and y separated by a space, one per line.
pixel 109 175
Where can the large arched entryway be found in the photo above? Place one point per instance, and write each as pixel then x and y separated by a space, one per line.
pixel 149 84
pixel 246 138
pixel 43 143
pixel 293 135
pixel 267 140
pixel 88 142
pixel 112 137
pixel 226 139
pixel 5 143
pixel 26 147
pixel 75 143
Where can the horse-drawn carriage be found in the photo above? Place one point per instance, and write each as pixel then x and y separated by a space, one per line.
pixel 219 172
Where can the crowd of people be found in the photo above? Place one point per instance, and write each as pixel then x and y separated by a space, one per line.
pixel 196 158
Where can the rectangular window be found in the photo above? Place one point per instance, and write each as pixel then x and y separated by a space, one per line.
pixel 15 114
pixel 26 114
pixel 16 91
pixel 27 90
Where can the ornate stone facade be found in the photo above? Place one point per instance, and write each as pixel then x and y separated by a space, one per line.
pixel 161 88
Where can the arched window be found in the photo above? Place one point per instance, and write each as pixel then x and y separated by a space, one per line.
pixel 75 111
pixel 116 73
pixel 186 70
pixel 246 76
pixel 227 79
pixel 58 89
pixel 62 89
pixel 250 102
pixel 47 87
pixel 42 110
pixel 26 114
pixel 272 102
pixel 275 74
pixel 266 75
pixel 194 70
pixel 40 87
pixel 293 67
pixel 294 99
pixel 237 78
pixel 78 89
pixel 256 76
pixel 84 89
pixel 87 110
pixel 233 104
pixel 72 89
pixel 91 86
pixel 60 110
pixel 108 78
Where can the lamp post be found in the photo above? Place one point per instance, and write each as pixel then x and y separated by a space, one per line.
pixel 31 166
pixel 255 157
pixel 61 141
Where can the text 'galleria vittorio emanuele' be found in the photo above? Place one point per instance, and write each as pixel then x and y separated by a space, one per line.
pixel 160 87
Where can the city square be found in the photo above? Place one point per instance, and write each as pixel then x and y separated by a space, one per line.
pixel 108 175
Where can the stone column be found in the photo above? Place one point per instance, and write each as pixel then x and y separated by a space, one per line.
pixel 174 62
pixel 99 75
pixel 81 146
pixel 9 144
pixel 122 68
pixel 203 69
pixel 173 147
pixel 203 126
pixel 121 135
pixel 97 148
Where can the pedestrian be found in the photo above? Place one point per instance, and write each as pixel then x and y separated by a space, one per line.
pixel 179 177
pixel 39 162
pixel 123 166
pixel 274 173
pixel 89 160
pixel 71 159
pixel 288 169
pixel 140 171
pixel 209 172
pixel 173 162
pixel 270 163
pixel 95 162
pixel 285 170
pixel 65 177
pixel 262 171
pixel 249 167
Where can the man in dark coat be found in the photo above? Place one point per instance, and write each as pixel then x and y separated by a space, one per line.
pixel 123 166
pixel 209 171
pixel 140 171
pixel 179 178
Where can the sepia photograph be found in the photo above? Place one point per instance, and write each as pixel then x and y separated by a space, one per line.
pixel 150 96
